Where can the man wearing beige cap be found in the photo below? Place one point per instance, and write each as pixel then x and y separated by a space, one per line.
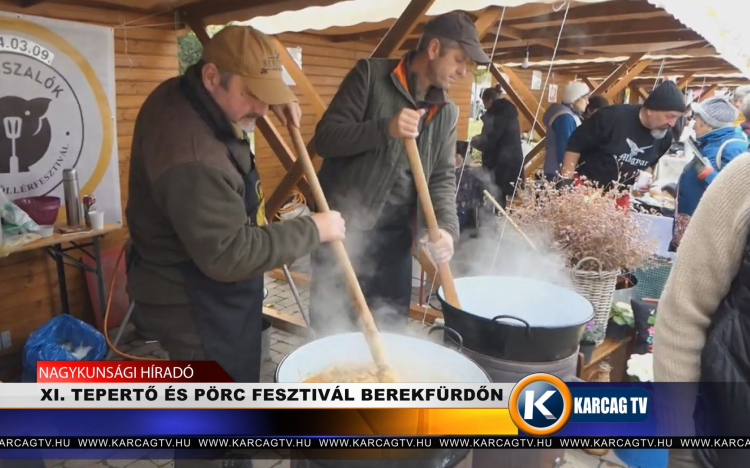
pixel 195 208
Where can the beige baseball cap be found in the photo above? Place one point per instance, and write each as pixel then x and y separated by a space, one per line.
pixel 247 52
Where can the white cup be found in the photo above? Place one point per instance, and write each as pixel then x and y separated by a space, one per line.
pixel 96 220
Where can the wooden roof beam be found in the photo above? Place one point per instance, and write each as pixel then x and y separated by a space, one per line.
pixel 532 38
pixel 631 39
pixel 485 24
pixel 590 83
pixel 641 92
pixel 685 80
pixel 617 74
pixel 205 9
pixel 511 88
pixel 394 38
pixel 606 11
pixel 625 81
pixel 708 92
pixel 31 3
pixel 690 51
pixel 199 29
pixel 611 26
pixel 359 36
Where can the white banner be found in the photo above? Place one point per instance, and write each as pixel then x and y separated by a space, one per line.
pixel 267 396
pixel 57 110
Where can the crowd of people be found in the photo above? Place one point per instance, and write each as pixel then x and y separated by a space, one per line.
pixel 703 323
pixel 200 241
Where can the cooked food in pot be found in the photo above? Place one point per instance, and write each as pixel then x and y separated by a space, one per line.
pixel 352 373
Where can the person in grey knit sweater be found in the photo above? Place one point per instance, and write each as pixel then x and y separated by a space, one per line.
pixel 699 332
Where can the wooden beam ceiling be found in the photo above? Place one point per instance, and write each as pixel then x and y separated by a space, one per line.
pixel 224 11
pixel 31 3
pixel 612 26
pixel 623 83
pixel 631 39
pixel 196 24
pixel 515 33
pixel 688 51
pixel 395 36
pixel 205 9
pixel 617 74
pixel 486 22
pixel 707 93
pixel 591 13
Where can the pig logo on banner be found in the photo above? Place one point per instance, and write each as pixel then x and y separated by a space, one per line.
pixel 26 133
pixel 41 124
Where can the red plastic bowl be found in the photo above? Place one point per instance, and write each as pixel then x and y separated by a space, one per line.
pixel 43 210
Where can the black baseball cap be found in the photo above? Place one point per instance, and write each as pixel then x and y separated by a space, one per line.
pixel 458 27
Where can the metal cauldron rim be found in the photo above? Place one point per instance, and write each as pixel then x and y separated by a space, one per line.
pixel 480 368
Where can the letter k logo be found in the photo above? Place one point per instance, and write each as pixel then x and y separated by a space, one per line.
pixel 538 404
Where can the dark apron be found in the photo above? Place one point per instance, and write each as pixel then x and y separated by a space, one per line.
pixel 228 316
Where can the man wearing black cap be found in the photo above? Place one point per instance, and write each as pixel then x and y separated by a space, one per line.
pixel 619 142
pixel 366 174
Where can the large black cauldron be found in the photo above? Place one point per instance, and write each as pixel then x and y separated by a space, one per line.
pixel 517 319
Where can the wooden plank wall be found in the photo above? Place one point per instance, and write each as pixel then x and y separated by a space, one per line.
pixel 326 63
pixel 143 58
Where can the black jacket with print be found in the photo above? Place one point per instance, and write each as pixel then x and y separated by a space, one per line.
pixel 614 145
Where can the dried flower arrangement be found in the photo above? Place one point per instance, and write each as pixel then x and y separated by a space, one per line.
pixel 584 221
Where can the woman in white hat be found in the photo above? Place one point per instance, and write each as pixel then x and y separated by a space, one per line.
pixel 560 120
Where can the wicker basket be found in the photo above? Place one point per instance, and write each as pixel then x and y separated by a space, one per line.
pixel 599 288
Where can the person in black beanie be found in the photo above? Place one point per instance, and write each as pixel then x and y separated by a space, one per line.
pixel 621 141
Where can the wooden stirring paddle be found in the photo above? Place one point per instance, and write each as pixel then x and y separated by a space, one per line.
pixel 444 270
pixel 512 223
pixel 370 330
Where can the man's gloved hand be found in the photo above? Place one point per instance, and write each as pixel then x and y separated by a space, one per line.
pixel 440 251
pixel 331 226
pixel 405 124
pixel 700 166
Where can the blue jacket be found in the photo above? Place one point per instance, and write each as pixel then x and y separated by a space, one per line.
pixel 560 121
pixel 691 188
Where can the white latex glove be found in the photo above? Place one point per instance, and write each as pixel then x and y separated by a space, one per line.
pixel 440 251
